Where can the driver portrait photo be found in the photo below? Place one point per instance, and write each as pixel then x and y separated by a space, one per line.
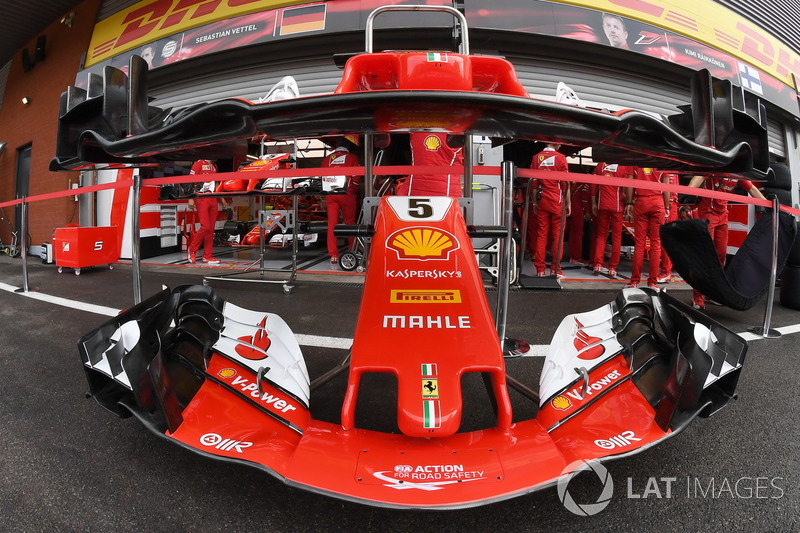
pixel 615 30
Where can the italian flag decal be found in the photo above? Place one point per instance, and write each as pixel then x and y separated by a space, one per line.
pixel 432 414
pixel 429 369
pixel 436 56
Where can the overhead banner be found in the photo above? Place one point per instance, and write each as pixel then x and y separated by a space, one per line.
pixel 150 21
pixel 187 33
pixel 563 19
pixel 710 23
pixel 703 21
pixel 167 31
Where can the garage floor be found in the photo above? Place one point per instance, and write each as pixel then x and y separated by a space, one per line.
pixel 69 465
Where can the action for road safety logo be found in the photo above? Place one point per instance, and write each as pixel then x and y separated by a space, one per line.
pixel 427 477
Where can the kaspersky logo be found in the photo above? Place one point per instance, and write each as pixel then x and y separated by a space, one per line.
pixel 422 244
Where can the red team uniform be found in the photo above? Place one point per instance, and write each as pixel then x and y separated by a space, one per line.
pixel 549 208
pixel 665 272
pixel 648 214
pixel 206 214
pixel 346 203
pixel 580 207
pixel 431 149
pixel 715 211
pixel 609 201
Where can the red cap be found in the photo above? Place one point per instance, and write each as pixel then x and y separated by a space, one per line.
pixel 203 166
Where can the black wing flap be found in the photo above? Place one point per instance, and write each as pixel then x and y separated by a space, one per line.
pixel 631 137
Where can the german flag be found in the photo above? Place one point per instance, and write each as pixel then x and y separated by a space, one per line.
pixel 302 19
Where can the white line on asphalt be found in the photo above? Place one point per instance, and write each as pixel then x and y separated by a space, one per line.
pixel 317 341
pixel 785 330
pixel 73 304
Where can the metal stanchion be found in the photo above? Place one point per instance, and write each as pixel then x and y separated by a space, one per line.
pixel 765 330
pixel 23 245
pixel 555 266
pixel 523 244
pixel 511 347
pixel 135 248
pixel 287 287
pixel 504 258
pixel 369 162
pixel 468 173
pixel 262 234
pixel 369 184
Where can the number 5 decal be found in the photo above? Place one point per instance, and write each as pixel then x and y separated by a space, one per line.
pixel 412 209
pixel 419 208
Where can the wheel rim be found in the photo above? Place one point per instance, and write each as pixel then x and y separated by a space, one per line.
pixel 348 261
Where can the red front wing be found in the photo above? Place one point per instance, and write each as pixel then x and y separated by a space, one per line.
pixel 646 366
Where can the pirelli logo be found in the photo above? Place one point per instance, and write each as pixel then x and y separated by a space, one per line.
pixel 425 296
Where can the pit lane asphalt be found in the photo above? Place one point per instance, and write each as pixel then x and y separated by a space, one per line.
pixel 68 465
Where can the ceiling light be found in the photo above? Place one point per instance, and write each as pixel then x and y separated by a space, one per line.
pixel 66 20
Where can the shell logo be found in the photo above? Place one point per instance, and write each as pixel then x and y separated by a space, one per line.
pixel 422 243
pixel 561 402
pixel 226 373
pixel 432 142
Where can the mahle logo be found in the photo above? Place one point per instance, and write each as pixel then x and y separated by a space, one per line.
pixel 585 509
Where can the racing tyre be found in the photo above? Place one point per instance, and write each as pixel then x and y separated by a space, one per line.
pixel 782 177
pixel 790 287
pixel 794 254
pixel 348 261
pixel 784 196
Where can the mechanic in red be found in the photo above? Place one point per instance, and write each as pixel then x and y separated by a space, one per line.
pixel 428 148
pixel 648 213
pixel 555 197
pixel 715 211
pixel 207 214
pixel 608 204
pixel 346 203
pixel 665 271
pixel 580 212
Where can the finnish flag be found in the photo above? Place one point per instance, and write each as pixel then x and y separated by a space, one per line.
pixel 750 78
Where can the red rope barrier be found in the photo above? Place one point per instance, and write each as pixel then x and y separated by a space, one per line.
pixel 406 170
